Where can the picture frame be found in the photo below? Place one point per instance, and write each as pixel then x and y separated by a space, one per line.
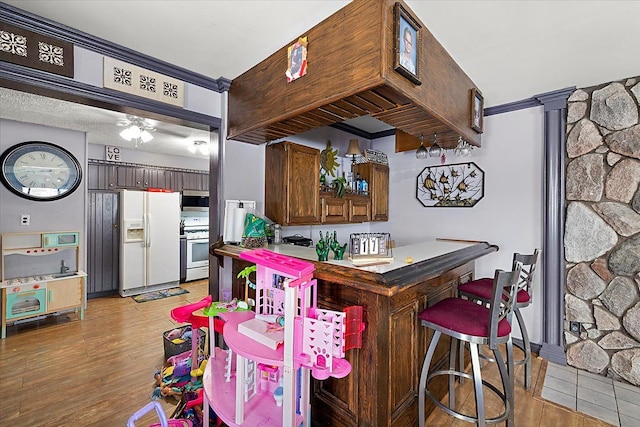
pixel 408 43
pixel 297 60
pixel 477 111
pixel 459 185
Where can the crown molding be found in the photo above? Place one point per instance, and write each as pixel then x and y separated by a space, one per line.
pixel 38 24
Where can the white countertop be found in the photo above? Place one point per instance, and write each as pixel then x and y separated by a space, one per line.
pixel 417 252
pixel 39 279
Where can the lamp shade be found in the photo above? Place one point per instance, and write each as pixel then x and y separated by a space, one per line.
pixel 354 148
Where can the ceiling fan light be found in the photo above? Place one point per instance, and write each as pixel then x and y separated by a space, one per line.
pixel 126 134
pixel 146 136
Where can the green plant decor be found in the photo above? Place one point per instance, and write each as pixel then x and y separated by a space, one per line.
pixel 339 186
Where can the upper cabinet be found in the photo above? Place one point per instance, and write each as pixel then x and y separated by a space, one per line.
pixel 292 190
pixel 292 184
pixel 377 175
pixel 353 71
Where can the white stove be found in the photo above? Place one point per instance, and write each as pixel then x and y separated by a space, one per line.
pixel 196 230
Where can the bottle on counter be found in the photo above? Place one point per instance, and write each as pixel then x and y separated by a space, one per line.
pixel 364 186
pixel 277 234
pixel 358 184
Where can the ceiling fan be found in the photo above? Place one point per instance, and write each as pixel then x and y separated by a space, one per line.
pixel 137 129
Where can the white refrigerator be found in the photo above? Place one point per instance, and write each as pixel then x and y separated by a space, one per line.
pixel 149 241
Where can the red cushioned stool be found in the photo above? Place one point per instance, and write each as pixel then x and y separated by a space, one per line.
pixel 480 290
pixel 467 321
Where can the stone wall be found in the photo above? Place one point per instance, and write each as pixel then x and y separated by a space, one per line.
pixel 602 231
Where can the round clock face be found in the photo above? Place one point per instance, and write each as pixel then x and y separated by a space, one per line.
pixel 40 171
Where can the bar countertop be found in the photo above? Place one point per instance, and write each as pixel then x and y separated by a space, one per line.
pixel 411 263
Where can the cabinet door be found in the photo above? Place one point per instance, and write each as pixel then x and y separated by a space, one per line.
pixel 303 176
pixel 359 209
pixel 334 210
pixel 62 294
pixel 292 184
pixel 377 176
pixel 379 186
pixel 102 177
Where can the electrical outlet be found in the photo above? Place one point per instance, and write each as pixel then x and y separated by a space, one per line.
pixel 574 327
pixel 25 219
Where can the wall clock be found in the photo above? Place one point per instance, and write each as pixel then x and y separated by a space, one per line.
pixel 40 171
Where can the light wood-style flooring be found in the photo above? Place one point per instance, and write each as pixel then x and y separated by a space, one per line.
pixel 99 371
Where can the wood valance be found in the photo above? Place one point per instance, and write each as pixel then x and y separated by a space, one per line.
pixel 351 74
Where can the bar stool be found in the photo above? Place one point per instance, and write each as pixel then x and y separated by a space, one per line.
pixel 475 324
pixel 480 290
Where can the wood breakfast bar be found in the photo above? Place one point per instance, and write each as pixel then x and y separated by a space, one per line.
pixel 382 388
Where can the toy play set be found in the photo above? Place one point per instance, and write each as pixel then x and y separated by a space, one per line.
pixel 262 376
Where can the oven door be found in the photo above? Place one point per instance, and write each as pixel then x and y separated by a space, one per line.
pixel 197 253
pixel 25 301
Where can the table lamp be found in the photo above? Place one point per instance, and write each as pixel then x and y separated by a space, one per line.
pixel 353 151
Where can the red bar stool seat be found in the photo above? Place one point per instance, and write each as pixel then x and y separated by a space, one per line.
pixel 466 321
pixel 480 290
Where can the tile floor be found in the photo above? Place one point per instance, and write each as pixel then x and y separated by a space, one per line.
pixel 611 401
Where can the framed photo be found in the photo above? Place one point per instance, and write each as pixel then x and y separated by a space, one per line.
pixel 408 42
pixel 477 110
pixel 297 60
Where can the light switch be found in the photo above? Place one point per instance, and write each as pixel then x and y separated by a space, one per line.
pixel 25 219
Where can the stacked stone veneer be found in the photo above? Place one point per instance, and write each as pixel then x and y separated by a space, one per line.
pixel 602 231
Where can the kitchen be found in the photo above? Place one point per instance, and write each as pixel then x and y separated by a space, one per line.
pixel 414 222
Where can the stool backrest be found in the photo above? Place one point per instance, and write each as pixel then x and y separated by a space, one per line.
pixel 503 300
pixel 527 265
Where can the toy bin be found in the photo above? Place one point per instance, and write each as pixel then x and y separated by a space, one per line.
pixel 172 349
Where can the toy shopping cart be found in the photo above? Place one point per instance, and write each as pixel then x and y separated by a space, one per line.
pixel 164 422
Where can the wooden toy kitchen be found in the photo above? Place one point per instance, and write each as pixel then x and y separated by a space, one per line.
pixel 40 276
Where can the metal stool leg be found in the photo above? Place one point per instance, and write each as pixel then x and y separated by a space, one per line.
pixel 506 373
pixel 527 349
pixel 423 376
pixel 477 384
pixel 452 378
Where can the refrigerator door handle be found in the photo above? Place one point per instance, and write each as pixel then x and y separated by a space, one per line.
pixel 147 229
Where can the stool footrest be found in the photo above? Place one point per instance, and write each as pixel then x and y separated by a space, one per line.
pixel 448 372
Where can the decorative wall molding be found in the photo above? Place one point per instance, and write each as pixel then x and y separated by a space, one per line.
pixel 18 77
pixel 38 24
pixel 128 78
pixel 35 50
pixel 555 124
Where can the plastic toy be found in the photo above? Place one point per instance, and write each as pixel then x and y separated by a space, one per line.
pixel 164 422
pixel 272 384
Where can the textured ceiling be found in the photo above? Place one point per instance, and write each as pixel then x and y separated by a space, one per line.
pixel 101 126
pixel 512 50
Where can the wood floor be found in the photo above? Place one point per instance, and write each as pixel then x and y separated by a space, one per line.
pixel 99 371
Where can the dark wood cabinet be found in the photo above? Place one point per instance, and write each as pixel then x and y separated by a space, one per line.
pixel 102 177
pixel 377 176
pixel 111 176
pixel 292 195
pixel 350 208
pixel 292 184
pixel 334 210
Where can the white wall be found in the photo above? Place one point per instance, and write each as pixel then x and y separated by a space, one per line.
pixel 509 215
